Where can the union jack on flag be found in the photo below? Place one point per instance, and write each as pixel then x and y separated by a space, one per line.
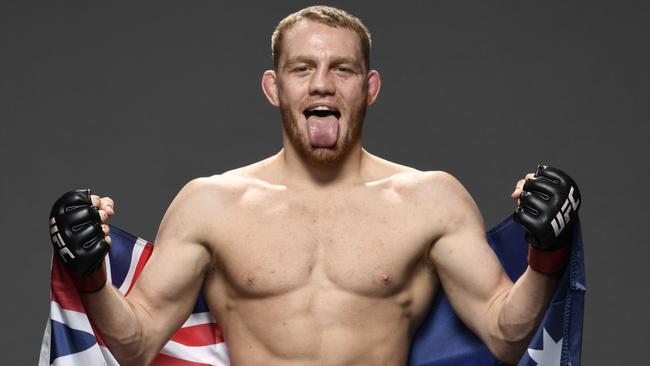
pixel 69 337
pixel 442 340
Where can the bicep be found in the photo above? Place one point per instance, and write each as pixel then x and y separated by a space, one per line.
pixel 167 289
pixel 468 268
pixel 169 285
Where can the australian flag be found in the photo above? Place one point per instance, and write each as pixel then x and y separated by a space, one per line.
pixel 442 340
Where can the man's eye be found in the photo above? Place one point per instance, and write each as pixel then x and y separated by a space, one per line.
pixel 342 69
pixel 300 69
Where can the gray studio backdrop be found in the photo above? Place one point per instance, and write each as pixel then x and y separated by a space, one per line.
pixel 135 99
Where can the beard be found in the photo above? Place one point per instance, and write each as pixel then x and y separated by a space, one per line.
pixel 323 155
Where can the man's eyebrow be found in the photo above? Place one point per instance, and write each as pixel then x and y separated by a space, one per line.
pixel 300 59
pixel 310 60
pixel 345 60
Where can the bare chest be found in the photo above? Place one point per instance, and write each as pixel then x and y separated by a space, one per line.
pixel 370 246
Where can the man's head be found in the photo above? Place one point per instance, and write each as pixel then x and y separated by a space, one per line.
pixel 333 17
pixel 321 81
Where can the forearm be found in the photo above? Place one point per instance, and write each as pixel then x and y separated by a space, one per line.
pixel 120 323
pixel 524 306
pixel 517 313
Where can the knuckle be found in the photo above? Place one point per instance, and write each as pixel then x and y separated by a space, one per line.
pixel 108 203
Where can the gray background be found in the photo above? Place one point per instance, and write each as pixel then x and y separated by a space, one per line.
pixel 134 100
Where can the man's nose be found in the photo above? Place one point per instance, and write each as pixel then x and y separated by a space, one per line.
pixel 321 82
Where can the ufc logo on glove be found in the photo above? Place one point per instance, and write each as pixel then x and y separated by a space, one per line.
pixel 57 240
pixel 563 217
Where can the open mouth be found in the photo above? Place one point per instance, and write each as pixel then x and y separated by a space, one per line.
pixel 322 122
pixel 322 111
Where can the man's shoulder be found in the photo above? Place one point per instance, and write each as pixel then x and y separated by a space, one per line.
pixel 432 183
pixel 433 192
pixel 410 179
pixel 441 199
pixel 226 186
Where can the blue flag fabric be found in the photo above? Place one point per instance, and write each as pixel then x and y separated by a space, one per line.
pixel 443 340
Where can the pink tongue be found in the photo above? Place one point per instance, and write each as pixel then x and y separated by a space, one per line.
pixel 323 131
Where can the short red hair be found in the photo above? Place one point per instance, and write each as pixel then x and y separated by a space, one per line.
pixel 327 15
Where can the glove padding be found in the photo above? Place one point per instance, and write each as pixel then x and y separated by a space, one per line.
pixel 78 239
pixel 548 207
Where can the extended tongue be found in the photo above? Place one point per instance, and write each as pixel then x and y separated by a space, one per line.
pixel 322 131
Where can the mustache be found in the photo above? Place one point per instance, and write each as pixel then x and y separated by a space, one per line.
pixel 327 102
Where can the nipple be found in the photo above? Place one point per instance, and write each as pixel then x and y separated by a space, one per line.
pixel 386 279
pixel 249 279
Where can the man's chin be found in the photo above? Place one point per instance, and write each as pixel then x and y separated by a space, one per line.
pixel 323 155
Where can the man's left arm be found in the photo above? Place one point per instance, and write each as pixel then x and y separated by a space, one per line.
pixel 503 314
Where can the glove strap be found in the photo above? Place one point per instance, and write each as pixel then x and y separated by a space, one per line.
pixel 92 282
pixel 551 261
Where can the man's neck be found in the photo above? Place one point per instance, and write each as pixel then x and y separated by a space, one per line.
pixel 298 171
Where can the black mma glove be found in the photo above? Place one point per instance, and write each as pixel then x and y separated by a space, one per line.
pixel 78 239
pixel 548 207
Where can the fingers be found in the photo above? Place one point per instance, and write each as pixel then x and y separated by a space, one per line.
pixel 107 232
pixel 103 216
pixel 532 203
pixel 524 217
pixel 553 174
pixel 95 199
pixel 105 207
pixel 108 205
pixel 103 203
pixel 541 186
pixel 519 187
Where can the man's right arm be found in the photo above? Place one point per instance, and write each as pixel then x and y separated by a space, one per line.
pixel 136 327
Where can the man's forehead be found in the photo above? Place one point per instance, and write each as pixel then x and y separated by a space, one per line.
pixel 308 36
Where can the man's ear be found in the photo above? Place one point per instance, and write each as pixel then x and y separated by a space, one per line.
pixel 374 84
pixel 270 87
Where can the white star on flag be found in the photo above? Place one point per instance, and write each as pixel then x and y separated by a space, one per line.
pixel 550 354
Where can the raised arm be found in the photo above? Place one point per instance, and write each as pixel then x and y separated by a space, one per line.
pixel 137 326
pixel 504 315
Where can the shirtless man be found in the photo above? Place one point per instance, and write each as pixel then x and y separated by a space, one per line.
pixel 322 254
